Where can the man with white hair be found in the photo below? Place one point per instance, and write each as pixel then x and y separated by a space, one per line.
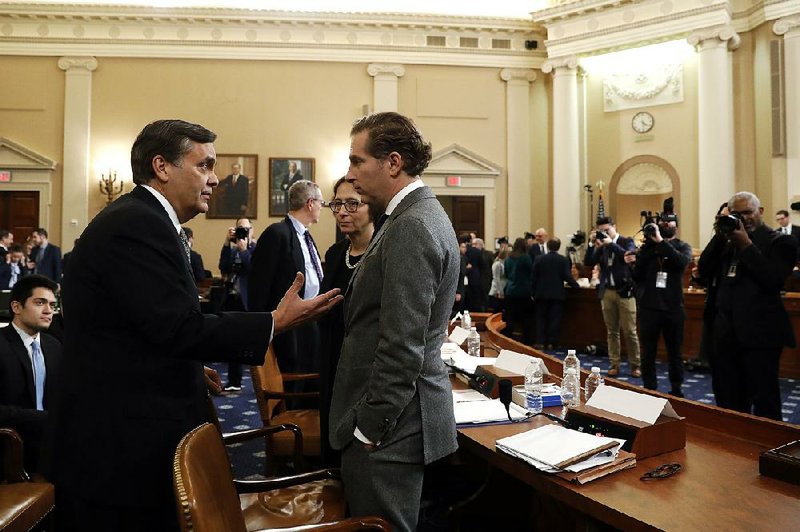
pixel 748 263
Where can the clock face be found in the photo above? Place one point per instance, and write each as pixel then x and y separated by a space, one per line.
pixel 642 122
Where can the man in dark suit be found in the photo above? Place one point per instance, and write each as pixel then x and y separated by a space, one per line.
pixel 46 256
pixel 195 259
pixel 235 192
pixel 292 176
pixel 786 227
pixel 29 363
pixel 392 408
pixel 658 272
pixel 133 380
pixel 550 272
pixel 12 269
pixel 475 300
pixel 614 254
pixel 539 245
pixel 283 249
pixel 6 239
pixel 748 262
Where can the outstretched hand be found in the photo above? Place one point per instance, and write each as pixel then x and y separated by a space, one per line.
pixel 293 310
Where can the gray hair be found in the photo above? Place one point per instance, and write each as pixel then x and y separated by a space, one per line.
pixel 302 191
pixel 751 198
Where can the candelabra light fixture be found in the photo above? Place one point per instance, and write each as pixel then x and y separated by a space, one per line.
pixel 109 185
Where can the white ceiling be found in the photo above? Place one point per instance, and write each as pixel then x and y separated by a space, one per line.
pixel 496 8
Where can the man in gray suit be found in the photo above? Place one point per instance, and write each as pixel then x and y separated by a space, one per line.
pixel 392 408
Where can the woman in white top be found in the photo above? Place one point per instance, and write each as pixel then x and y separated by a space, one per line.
pixel 497 289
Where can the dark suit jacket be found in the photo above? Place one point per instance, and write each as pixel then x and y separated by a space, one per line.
pixel 621 271
pixel 198 270
pixel 550 272
pixel 671 257
pixel 275 262
pixel 50 263
pixel 18 391
pixel 751 300
pixel 535 251
pixel 235 194
pixel 133 382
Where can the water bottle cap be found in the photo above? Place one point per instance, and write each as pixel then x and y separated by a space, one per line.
pixel 570 352
pixel 595 369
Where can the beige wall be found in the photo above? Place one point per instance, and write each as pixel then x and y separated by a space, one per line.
pixel 611 141
pixel 32 114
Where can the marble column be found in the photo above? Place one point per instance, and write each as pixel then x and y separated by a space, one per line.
pixel 715 139
pixel 75 172
pixel 518 141
pixel 789 27
pixel 566 146
pixel 384 96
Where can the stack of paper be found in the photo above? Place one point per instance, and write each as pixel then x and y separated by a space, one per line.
pixel 624 460
pixel 470 406
pixel 551 395
pixel 553 448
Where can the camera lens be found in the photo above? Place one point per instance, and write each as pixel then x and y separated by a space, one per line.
pixel 727 224
pixel 649 230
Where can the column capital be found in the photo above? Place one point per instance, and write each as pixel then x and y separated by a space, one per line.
pixel 72 63
pixel 713 36
pixel 383 69
pixel 518 74
pixel 555 63
pixel 786 25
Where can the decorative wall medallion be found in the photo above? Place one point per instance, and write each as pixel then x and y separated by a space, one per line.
pixel 656 84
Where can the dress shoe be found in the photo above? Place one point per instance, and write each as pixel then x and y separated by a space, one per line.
pixel 636 372
pixel 613 371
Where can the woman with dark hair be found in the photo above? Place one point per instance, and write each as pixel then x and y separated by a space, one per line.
pixel 354 221
pixel 518 268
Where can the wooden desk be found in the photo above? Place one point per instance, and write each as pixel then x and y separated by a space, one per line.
pixel 719 487
pixel 583 325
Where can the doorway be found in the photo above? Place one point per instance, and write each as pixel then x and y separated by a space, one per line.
pixel 465 212
pixel 19 213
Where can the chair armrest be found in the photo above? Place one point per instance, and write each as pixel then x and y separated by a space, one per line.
pixel 353 523
pixel 247 435
pixel 299 376
pixel 258 486
pixel 13 456
pixel 291 395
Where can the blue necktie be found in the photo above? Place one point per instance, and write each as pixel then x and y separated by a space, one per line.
pixel 39 373
pixel 312 252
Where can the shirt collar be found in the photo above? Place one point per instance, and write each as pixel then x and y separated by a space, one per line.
pixel 405 191
pixel 27 339
pixel 299 228
pixel 173 216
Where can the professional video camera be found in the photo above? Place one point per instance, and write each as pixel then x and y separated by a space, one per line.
pixel 577 238
pixel 727 224
pixel 666 215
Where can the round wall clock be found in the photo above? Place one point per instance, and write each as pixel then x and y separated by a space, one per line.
pixel 642 122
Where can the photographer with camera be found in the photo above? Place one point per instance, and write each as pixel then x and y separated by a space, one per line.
pixel 748 263
pixel 614 254
pixel 658 271
pixel 234 264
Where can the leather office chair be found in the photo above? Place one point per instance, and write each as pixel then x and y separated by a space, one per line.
pixel 271 396
pixel 207 498
pixel 23 503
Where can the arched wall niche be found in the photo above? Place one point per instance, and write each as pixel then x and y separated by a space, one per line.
pixel 641 183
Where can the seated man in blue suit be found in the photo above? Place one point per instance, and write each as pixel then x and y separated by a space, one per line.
pixel 29 363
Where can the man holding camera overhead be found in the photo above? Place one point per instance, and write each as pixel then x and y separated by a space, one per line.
pixel 749 262
pixel 658 272
pixel 614 254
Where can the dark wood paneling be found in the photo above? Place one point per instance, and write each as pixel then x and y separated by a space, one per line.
pixel 19 212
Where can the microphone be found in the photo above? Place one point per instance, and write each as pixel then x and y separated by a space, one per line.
pixel 505 395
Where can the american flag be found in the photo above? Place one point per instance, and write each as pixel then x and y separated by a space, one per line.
pixel 601 206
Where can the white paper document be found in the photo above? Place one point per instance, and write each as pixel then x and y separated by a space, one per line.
pixel 645 408
pixel 485 411
pixel 453 355
pixel 459 335
pixel 550 446
pixel 516 363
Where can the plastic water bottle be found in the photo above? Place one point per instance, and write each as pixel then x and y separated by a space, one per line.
pixel 473 343
pixel 571 361
pixel 593 381
pixel 570 389
pixel 533 386
pixel 466 320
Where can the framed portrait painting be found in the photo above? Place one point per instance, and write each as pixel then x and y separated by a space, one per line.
pixel 236 196
pixel 283 173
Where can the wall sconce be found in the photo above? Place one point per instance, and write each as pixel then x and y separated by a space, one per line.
pixel 109 186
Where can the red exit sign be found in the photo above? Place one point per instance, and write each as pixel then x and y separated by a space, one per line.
pixel 453 181
pixel 5 176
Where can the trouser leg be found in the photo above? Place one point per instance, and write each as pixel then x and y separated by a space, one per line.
pixel 627 321
pixel 763 390
pixel 611 317
pixel 673 340
pixel 649 320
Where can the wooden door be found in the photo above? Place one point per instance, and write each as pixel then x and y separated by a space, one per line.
pixel 467 215
pixel 19 213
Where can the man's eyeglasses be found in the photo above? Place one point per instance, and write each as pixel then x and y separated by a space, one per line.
pixel 349 205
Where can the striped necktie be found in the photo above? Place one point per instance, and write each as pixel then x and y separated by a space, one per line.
pixel 312 252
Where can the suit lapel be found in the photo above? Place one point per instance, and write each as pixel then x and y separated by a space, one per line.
pixel 23 358
pixel 295 249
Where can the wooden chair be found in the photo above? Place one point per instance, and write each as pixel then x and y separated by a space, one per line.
pixel 24 504
pixel 209 499
pixel 268 383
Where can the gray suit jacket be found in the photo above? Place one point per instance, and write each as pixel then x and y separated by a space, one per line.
pixel 391 381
